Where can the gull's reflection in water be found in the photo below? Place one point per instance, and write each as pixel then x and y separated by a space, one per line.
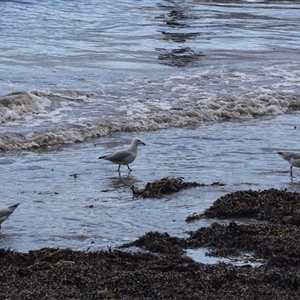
pixel 293 185
pixel 124 181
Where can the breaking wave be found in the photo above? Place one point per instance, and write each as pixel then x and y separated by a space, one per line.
pixel 45 118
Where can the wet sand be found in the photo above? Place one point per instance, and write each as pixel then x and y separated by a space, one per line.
pixel 161 270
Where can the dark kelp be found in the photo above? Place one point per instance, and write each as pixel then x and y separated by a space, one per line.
pixel 166 186
pixel 272 205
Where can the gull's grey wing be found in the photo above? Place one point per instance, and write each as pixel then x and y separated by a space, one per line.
pixel 295 155
pixel 119 156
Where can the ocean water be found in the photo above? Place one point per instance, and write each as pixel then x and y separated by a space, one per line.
pixel 212 88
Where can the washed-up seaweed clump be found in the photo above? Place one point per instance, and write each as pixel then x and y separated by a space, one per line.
pixel 272 205
pixel 165 186
pixel 65 274
pixel 275 237
pixel 278 245
pixel 159 243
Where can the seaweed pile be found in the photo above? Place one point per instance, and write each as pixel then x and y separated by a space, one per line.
pixel 166 186
pixel 66 274
pixel 271 205
pixel 277 245
pixel 274 239
pixel 159 243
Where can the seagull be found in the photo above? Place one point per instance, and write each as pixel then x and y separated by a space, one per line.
pixel 125 156
pixel 293 158
pixel 5 212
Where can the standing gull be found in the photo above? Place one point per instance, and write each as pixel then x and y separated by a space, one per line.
pixel 5 212
pixel 293 158
pixel 125 156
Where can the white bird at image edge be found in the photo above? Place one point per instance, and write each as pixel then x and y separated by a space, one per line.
pixel 293 158
pixel 5 212
pixel 125 156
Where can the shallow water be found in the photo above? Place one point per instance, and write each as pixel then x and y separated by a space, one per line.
pixel 97 209
pixel 246 259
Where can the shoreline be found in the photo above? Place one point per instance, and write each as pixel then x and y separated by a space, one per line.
pixel 163 271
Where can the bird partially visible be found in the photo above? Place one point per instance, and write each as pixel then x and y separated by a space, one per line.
pixel 293 158
pixel 5 212
pixel 125 156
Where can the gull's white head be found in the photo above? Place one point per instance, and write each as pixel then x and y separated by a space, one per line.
pixel 137 141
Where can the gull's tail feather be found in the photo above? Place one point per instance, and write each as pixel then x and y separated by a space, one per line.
pixel 102 157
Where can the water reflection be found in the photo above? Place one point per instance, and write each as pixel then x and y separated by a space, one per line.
pixel 180 57
pixel 127 180
pixel 178 37
pixel 177 21
pixel 294 184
